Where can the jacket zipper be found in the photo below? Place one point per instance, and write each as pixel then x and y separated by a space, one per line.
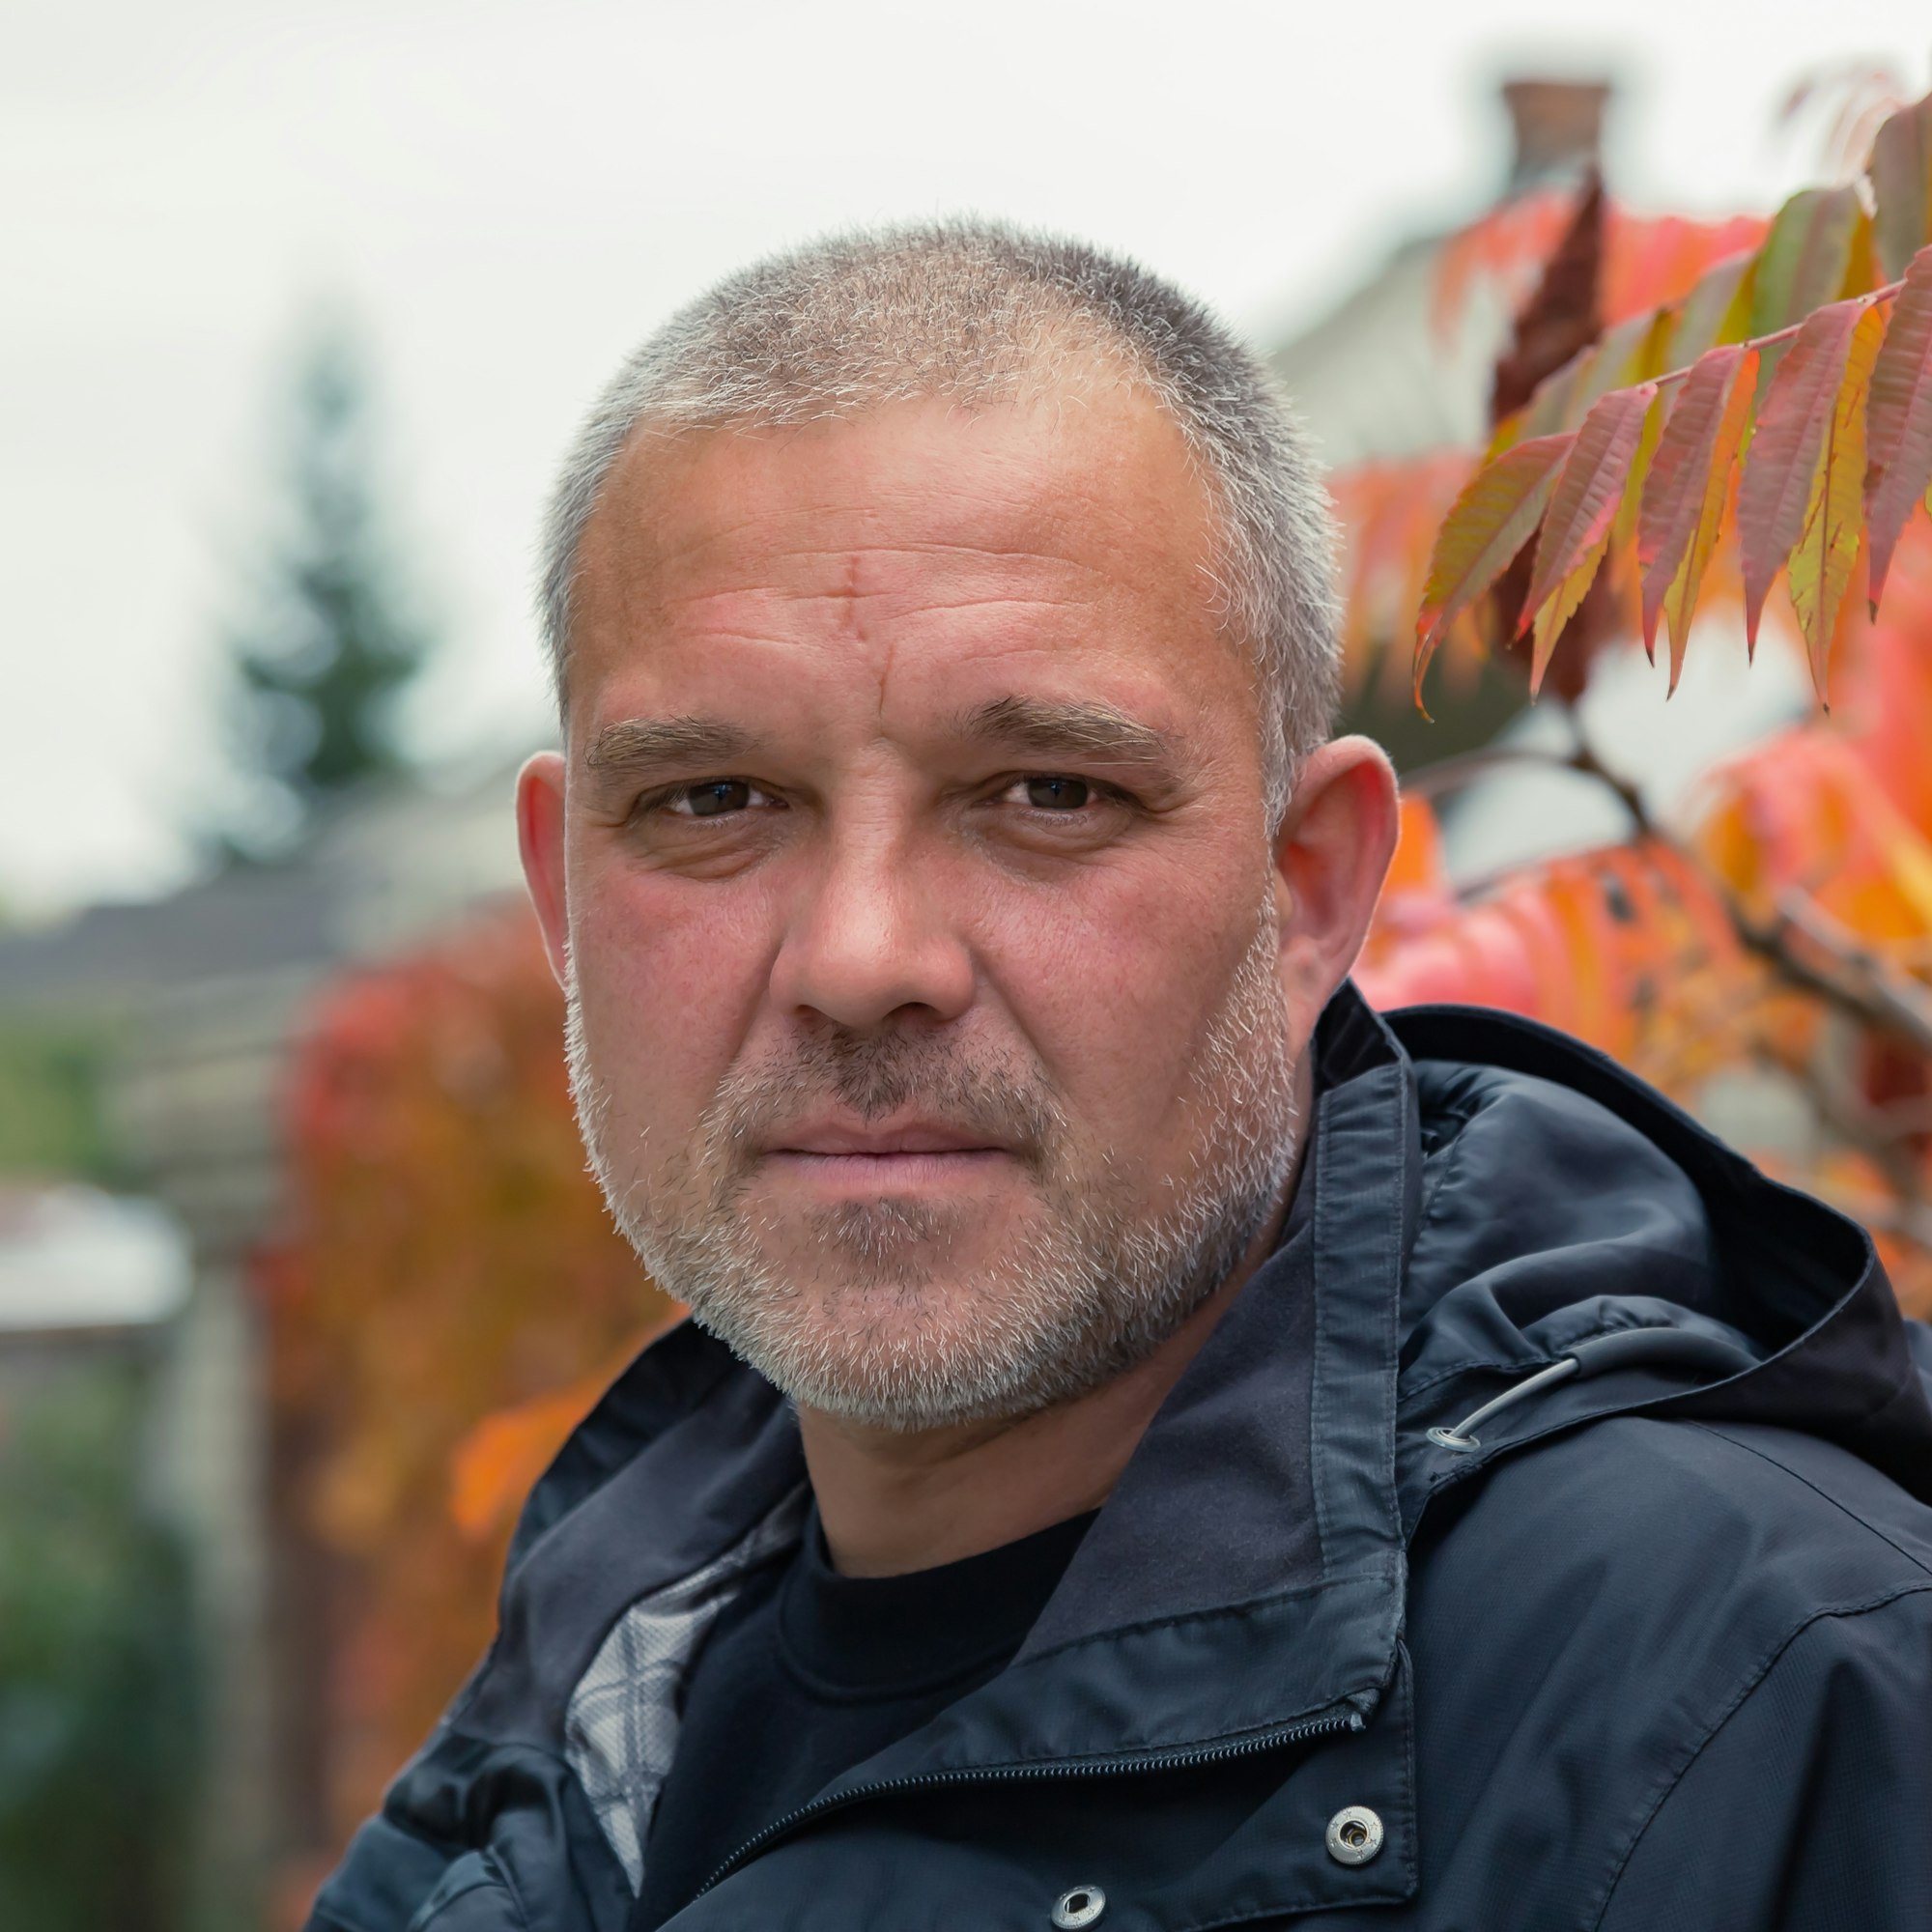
pixel 1352 1717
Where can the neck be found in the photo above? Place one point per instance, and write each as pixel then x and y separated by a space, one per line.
pixel 893 1502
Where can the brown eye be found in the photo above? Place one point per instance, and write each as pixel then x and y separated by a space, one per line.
pixel 714 798
pixel 1058 794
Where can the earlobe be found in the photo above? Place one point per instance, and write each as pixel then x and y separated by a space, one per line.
pixel 540 830
pixel 1331 855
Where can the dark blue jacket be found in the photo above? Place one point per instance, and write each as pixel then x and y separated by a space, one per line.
pixel 1654 1652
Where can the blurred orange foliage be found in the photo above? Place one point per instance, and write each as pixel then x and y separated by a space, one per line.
pixel 446 1258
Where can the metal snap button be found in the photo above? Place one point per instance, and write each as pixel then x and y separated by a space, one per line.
pixel 1354 1835
pixel 1081 1906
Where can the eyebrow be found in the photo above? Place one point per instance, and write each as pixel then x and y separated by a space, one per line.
pixel 634 746
pixel 1044 728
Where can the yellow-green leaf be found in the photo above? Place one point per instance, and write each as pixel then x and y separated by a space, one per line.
pixel 1795 425
pixel 1717 310
pixel 1827 546
pixel 1560 609
pixel 1802 263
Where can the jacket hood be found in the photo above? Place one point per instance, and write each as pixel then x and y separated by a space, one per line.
pixel 1566 1201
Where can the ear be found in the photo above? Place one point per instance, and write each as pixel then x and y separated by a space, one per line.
pixel 1332 853
pixel 540 838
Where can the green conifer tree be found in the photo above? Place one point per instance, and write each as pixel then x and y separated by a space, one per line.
pixel 334 638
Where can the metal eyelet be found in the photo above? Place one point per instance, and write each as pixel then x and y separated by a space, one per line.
pixel 1078 1907
pixel 1354 1835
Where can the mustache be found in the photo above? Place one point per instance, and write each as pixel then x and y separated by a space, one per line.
pixel 874 1077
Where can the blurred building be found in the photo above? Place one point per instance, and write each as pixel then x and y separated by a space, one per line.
pixel 198 996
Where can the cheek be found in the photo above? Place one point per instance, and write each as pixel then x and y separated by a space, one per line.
pixel 669 975
pixel 1114 978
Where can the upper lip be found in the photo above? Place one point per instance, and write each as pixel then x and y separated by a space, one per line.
pixel 831 1136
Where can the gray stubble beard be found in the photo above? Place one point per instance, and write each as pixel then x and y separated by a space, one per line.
pixel 882 1335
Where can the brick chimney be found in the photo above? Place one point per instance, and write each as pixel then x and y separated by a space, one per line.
pixel 1559 130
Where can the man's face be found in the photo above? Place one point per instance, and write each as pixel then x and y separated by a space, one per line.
pixel 922 926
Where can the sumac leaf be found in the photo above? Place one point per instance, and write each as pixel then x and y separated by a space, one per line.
pixel 1577 525
pixel 1783 464
pixel 1717 310
pixel 1828 545
pixel 1898 424
pixel 1801 266
pixel 1901 178
pixel 1490 521
pixel 1623 531
pixel 1631 351
pixel 1684 494
pixel 1562 606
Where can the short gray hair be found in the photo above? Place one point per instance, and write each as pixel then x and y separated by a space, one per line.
pixel 974 312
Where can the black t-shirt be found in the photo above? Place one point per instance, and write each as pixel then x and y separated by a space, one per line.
pixel 807 1673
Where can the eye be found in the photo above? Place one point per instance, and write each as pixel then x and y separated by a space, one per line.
pixel 1050 792
pixel 715 798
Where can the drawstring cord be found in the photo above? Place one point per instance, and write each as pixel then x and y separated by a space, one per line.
pixel 1622 1348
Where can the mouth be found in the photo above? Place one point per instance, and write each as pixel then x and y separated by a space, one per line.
pixel 850 1158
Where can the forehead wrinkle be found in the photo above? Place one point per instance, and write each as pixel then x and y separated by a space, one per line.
pixel 842 565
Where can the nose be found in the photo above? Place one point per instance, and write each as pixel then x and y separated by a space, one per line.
pixel 874 937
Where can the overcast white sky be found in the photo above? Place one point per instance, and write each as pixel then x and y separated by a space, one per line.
pixel 509 193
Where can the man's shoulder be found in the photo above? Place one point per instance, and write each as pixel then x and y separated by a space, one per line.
pixel 1643 1620
pixel 1731 1523
pixel 1586 1618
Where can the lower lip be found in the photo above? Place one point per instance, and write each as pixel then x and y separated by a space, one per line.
pixel 870 1175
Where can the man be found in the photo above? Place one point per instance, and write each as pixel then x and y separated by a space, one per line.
pixel 1157 1446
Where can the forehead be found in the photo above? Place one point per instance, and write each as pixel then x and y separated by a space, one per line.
pixel 1072 529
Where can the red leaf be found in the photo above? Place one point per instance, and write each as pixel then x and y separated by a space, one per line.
pixel 1492 520
pixel 1684 496
pixel 1898 428
pixel 1901 178
pixel 1786 451
pixel 1588 489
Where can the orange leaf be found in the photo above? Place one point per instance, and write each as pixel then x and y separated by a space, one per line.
pixel 493 1468
pixel 1898 428
pixel 1417 865
pixel 1827 546
pixel 1901 178
pixel 1577 902
pixel 1783 463
pixel 1492 520
pixel 1684 494
pixel 1651 261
